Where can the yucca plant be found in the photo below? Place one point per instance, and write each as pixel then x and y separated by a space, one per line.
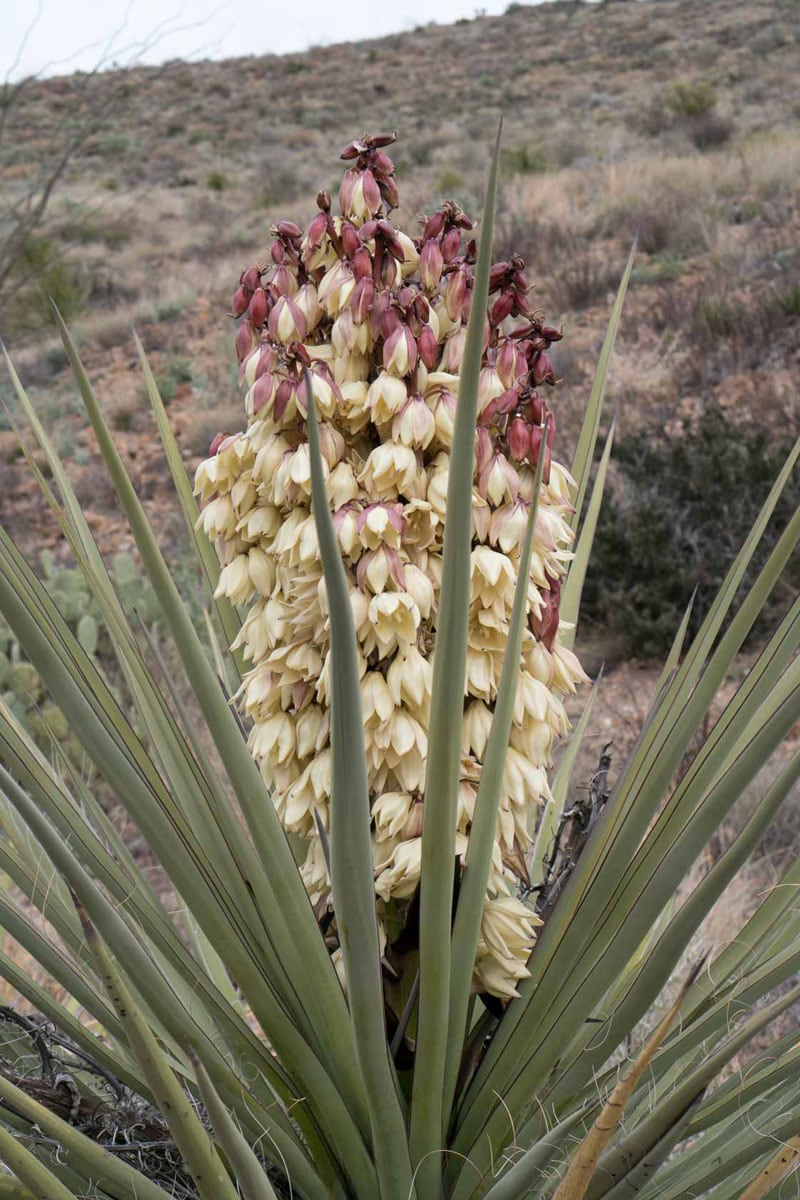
pixel 379 1021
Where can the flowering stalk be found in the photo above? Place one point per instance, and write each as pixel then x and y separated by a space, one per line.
pixel 379 322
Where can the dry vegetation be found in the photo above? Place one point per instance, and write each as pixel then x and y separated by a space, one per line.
pixel 676 119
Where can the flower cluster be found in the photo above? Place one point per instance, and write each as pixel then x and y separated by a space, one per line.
pixel 379 321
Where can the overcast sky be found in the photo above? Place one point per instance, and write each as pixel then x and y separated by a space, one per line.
pixel 60 36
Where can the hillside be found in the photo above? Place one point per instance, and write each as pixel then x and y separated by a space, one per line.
pixel 665 116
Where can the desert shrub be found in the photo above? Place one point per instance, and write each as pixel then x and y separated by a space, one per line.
pixel 683 503
pixel 691 109
pixel 691 99
pixel 708 130
pixel 661 217
pixel 41 272
pixel 217 182
pixel 525 160
pixel 581 279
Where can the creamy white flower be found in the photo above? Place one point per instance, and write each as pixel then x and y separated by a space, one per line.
pixel 399 875
pixel 492 578
pixel 355 404
pixel 410 678
pixel 420 588
pixel 314 872
pixel 311 730
pixel 381 525
pixel 268 459
pixel 350 368
pixel 390 470
pixel 261 523
pixel 567 670
pixel 234 580
pixel 386 397
pixel 393 619
pixel 415 424
pixel 476 728
pixel 392 813
pixel 341 485
pixel 273 738
pixel 262 571
pixel 218 518
pixel 410 256
pixel 336 287
pixel 376 700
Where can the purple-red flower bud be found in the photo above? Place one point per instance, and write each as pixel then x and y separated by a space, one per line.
pixel 282 283
pixel 283 396
pixel 250 279
pixel 389 192
pixel 519 440
pixel 500 405
pixel 434 225
pixel 257 310
pixel 262 391
pixel 350 239
pixel 451 243
pixel 391 241
pixel 316 230
pixel 266 361
pixel 382 163
pixel 362 263
pixel 536 409
pixel 501 308
pixel 536 446
pixel 497 275
pixel 241 299
pixel 244 340
pixel 455 294
pixel 483 448
pixel 545 627
pixel 428 345
pixel 362 300
pixel 400 351
pixel 431 263
pixel 511 363
pixel 543 368
pixel 372 193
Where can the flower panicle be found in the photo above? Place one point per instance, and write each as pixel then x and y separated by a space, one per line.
pixel 378 320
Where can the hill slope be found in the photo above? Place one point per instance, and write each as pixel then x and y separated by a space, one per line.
pixel 662 115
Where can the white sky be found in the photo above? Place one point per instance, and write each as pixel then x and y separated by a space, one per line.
pixel 55 37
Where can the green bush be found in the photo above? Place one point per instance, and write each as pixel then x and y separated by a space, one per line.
pixel 683 504
pixel 525 160
pixel 40 274
pixel 691 99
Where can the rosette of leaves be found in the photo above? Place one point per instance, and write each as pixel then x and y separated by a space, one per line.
pixel 218 1003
